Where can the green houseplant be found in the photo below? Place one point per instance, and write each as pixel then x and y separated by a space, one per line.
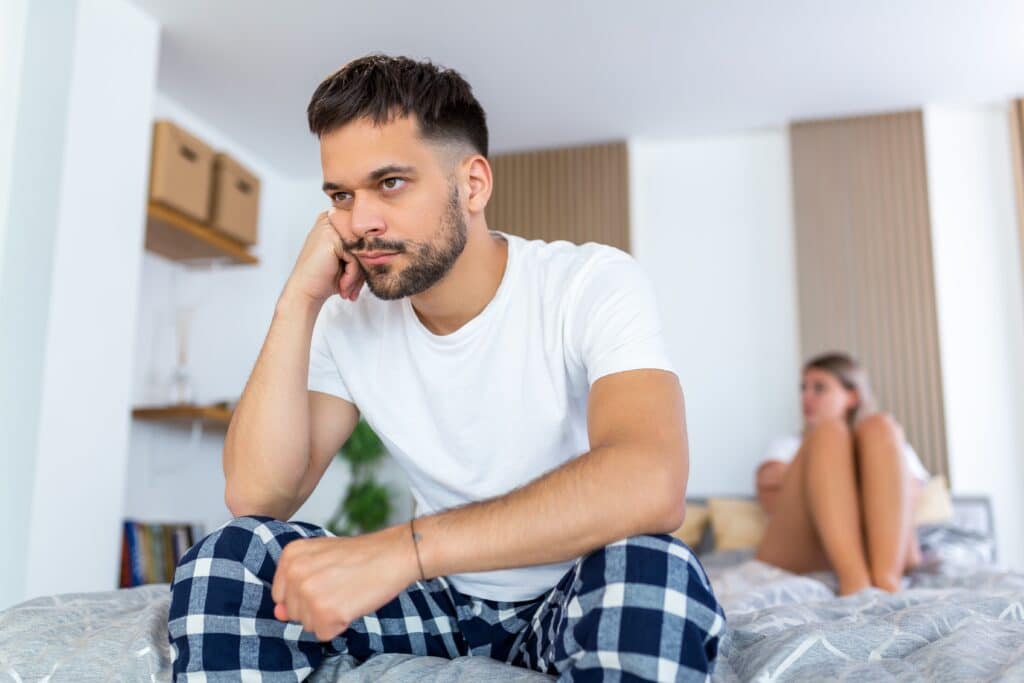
pixel 367 504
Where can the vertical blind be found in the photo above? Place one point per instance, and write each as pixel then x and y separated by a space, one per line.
pixel 864 263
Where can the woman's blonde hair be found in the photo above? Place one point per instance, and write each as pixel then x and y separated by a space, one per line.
pixel 852 376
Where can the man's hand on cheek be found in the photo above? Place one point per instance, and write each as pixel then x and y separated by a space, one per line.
pixel 353 275
pixel 327 583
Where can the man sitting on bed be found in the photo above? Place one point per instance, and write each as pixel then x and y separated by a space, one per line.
pixel 523 387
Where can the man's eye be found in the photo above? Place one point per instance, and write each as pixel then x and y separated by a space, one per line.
pixel 339 196
pixel 392 183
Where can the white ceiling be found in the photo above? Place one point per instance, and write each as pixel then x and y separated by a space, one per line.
pixel 554 72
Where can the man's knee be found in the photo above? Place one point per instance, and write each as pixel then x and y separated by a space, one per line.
pixel 654 559
pixel 249 540
pixel 640 544
pixel 658 572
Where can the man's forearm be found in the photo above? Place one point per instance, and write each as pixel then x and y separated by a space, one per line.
pixel 602 496
pixel 266 450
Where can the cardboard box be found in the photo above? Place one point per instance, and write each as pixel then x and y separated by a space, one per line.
pixel 235 205
pixel 181 171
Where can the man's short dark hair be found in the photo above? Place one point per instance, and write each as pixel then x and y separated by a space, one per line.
pixel 380 88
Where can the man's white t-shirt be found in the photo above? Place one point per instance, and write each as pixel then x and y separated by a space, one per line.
pixel 502 400
pixel 785 449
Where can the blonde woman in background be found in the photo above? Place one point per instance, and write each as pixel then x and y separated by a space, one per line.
pixel 840 496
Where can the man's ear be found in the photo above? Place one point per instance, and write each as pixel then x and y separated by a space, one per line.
pixel 478 182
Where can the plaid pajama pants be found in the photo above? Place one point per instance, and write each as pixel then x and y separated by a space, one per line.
pixel 640 609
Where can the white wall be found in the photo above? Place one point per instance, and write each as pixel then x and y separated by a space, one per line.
pixel 12 43
pixel 172 475
pixel 12 31
pixel 980 309
pixel 712 225
pixel 38 111
pixel 99 192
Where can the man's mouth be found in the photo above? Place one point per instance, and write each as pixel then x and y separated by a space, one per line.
pixel 375 257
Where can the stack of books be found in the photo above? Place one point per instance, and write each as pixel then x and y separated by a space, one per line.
pixel 150 552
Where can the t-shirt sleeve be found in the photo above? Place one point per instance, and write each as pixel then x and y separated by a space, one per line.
pixel 613 319
pixel 324 374
pixel 782 449
pixel 914 463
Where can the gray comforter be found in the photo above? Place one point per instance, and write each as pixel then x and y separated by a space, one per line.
pixel 955 626
pixel 951 623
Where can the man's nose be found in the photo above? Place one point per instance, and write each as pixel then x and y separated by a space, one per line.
pixel 367 219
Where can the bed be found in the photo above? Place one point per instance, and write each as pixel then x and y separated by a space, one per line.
pixel 960 617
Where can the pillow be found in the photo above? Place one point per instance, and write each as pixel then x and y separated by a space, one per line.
pixel 739 524
pixel 945 545
pixel 736 524
pixel 693 526
pixel 935 504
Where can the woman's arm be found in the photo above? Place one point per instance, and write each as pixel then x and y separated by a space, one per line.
pixel 768 479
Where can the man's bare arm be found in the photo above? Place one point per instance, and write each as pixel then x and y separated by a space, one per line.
pixel 266 450
pixel 632 481
pixel 282 436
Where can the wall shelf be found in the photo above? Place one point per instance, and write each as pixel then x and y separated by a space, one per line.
pixel 213 416
pixel 176 236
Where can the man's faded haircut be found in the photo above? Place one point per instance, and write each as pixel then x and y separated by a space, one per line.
pixel 381 88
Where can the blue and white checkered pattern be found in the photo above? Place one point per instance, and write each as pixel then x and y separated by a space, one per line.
pixel 640 609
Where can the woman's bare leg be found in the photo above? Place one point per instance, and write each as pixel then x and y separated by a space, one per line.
pixel 914 556
pixel 835 503
pixel 790 540
pixel 887 491
pixel 817 522
pixel 913 552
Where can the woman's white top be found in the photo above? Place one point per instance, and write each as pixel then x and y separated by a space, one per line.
pixel 785 448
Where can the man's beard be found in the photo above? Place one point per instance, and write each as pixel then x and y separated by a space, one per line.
pixel 428 261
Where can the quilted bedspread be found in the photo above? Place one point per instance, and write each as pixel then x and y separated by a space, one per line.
pixel 950 623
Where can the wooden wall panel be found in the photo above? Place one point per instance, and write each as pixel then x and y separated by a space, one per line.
pixel 1017 153
pixel 864 262
pixel 580 194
